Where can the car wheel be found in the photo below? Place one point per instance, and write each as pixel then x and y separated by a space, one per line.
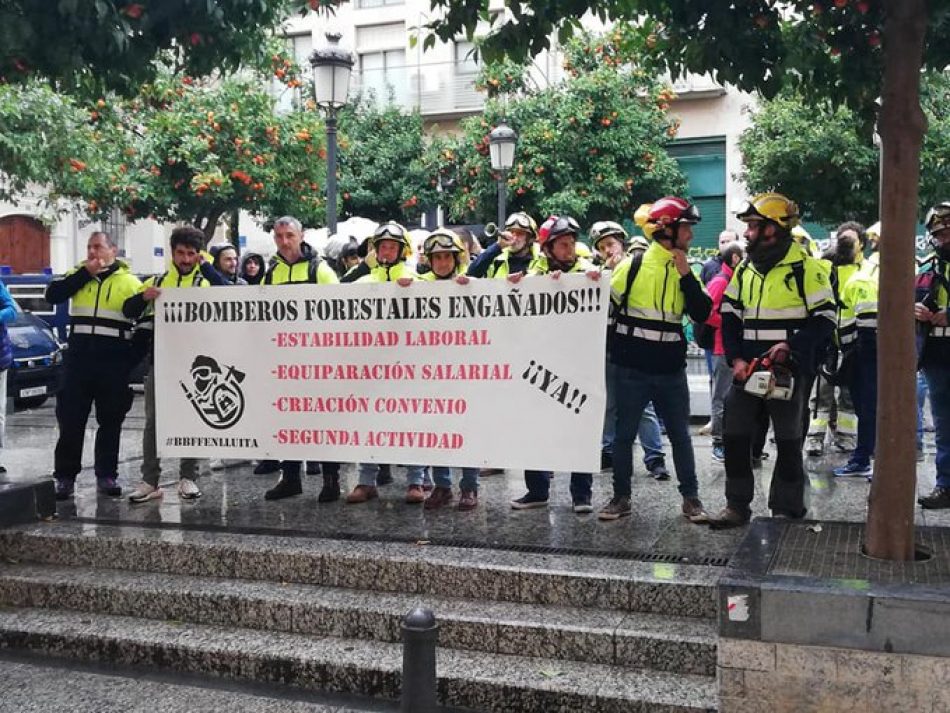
pixel 30 402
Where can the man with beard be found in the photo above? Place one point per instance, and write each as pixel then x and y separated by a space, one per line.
pixel 933 298
pixel 648 349
pixel 778 304
pixel 513 253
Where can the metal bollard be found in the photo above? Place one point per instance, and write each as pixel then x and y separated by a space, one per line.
pixel 420 632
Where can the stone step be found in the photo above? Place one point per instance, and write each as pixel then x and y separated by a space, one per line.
pixel 482 574
pixel 30 684
pixel 466 679
pixel 633 639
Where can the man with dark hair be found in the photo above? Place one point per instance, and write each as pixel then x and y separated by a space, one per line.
pixel 779 305
pixel 189 269
pixel 226 263
pixel 98 362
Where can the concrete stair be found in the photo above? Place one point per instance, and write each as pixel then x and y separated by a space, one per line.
pixel 518 631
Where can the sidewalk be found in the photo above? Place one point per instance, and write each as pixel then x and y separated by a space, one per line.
pixel 233 501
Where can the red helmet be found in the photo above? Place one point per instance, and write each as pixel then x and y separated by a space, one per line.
pixel 555 227
pixel 671 210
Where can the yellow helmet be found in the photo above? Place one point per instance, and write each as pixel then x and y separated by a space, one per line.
pixel 770 206
pixel 642 219
pixel 393 231
pixel 443 240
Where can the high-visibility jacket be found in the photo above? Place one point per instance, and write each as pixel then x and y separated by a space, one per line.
pixel 172 278
pixel 308 268
pixel 500 267
pixel 841 275
pixel 649 323
pixel 540 266
pixel 793 302
pixel 95 310
pixel 391 273
pixel 859 295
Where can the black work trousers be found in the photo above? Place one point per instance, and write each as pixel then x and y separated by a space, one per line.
pixel 741 423
pixel 92 378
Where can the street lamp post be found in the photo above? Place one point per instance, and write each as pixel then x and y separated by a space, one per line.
pixel 332 66
pixel 501 146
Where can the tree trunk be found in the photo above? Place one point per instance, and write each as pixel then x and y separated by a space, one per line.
pixel 207 223
pixel 890 528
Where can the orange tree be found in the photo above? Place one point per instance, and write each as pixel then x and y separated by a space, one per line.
pixel 592 146
pixel 846 51
pixel 110 44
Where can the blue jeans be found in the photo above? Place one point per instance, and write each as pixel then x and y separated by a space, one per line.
pixel 864 398
pixel 670 394
pixel 415 474
pixel 921 400
pixel 938 381
pixel 538 483
pixel 442 477
pixel 651 440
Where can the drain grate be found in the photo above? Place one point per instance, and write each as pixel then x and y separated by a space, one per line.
pixel 632 556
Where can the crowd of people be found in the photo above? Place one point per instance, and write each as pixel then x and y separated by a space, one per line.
pixel 789 333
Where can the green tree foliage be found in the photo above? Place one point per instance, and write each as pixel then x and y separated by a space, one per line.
pixel 591 146
pixel 818 153
pixel 180 149
pixel 111 44
pixel 381 176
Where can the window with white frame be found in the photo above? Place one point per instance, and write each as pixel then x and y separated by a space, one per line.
pixel 465 60
pixel 382 62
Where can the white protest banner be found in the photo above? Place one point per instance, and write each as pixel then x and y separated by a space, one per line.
pixel 483 374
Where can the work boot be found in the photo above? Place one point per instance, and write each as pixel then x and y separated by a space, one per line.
pixel 362 494
pixel 468 500
pixel 108 485
pixel 313 468
pixel 939 499
pixel 815 446
pixel 287 486
pixel 65 487
pixel 330 492
pixel 727 518
pixel 694 511
pixel 438 497
pixel 617 508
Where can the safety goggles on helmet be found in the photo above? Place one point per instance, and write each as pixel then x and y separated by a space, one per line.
pixel 390 231
pixel 563 226
pixel 938 218
pixel 521 221
pixel 441 241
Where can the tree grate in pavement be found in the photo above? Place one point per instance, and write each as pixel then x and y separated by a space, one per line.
pixel 659 557
pixel 833 550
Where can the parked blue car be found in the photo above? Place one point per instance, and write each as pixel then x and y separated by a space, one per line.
pixel 37 360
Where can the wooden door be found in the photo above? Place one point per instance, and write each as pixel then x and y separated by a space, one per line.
pixel 24 244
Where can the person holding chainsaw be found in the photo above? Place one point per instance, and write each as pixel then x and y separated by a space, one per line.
pixel 778 309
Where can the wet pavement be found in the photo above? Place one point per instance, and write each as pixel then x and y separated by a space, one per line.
pixel 233 500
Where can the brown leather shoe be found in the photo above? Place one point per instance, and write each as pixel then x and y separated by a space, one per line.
pixel 438 497
pixel 468 500
pixel 728 518
pixel 362 494
pixel 415 495
pixel 694 511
